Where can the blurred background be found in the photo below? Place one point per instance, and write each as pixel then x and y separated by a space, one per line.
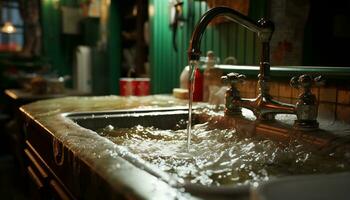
pixel 53 48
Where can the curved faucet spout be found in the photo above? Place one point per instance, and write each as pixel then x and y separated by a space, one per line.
pixel 263 28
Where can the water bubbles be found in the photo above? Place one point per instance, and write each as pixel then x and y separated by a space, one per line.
pixel 106 130
pixel 139 128
pixel 109 128
pixel 255 184
pixel 219 157
pixel 181 124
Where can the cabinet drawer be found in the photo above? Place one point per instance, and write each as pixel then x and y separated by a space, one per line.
pixel 38 183
pixel 35 164
pixel 44 179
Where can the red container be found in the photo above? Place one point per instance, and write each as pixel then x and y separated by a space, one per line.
pixel 142 86
pixel 134 86
pixel 126 87
pixel 198 86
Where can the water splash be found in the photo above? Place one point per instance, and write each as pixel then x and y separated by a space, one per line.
pixel 222 157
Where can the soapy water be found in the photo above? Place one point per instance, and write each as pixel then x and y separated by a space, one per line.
pixel 222 157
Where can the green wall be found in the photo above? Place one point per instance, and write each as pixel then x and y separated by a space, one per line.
pixel 114 47
pixel 57 47
pixel 60 48
pixel 226 39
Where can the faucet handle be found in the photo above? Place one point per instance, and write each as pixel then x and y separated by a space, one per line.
pixel 319 81
pixel 306 106
pixel 232 94
pixel 305 81
pixel 233 78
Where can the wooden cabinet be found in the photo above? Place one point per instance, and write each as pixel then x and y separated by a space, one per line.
pixel 56 172
pixel 44 183
pixel 45 174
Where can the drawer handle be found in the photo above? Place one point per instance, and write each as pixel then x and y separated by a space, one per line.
pixel 35 178
pixel 36 164
pixel 58 152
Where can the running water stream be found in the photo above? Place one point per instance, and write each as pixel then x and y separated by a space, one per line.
pixel 193 66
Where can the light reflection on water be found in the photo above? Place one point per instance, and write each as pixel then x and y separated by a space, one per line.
pixel 221 157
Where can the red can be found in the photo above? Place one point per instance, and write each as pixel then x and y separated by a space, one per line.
pixel 134 86
pixel 142 86
pixel 126 87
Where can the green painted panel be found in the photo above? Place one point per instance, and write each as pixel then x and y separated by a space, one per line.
pixel 241 45
pixel 234 37
pixel 223 40
pixel 162 53
pixel 114 47
pixel 51 34
pixel 90 35
pixel 249 50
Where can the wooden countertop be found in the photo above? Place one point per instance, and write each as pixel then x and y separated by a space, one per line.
pixel 27 96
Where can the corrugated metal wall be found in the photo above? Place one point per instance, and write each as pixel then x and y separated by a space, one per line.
pixel 226 39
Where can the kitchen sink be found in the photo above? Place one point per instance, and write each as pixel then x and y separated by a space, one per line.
pixel 174 118
pixel 156 143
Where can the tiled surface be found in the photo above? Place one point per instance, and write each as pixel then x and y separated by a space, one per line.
pixel 343 113
pixel 252 87
pixel 343 96
pixel 328 94
pixel 285 90
pixel 295 93
pixel 274 89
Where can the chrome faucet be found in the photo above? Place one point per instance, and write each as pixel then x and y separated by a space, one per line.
pixel 263 106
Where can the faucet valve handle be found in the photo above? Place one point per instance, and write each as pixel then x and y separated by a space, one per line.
pixel 232 94
pixel 319 81
pixel 305 81
pixel 233 78
pixel 306 106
